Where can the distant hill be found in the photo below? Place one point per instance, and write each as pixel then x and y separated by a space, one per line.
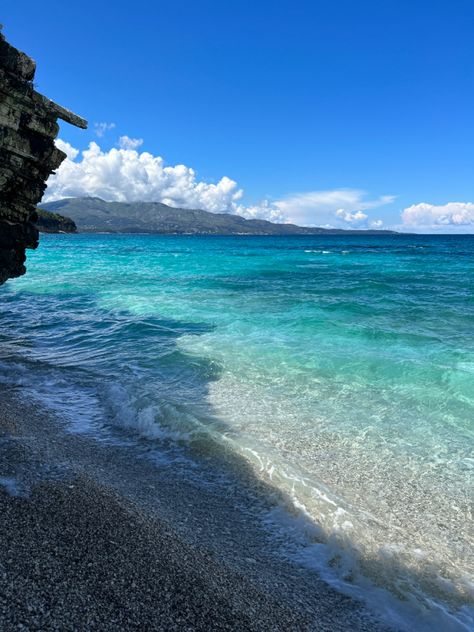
pixel 94 215
pixel 48 222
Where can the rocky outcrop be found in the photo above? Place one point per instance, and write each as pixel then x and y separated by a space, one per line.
pixel 47 222
pixel 28 155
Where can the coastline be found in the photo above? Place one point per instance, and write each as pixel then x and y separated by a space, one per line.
pixel 97 536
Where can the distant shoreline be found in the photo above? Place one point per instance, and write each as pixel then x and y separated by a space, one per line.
pixel 91 214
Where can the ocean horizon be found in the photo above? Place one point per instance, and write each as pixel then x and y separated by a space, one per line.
pixel 339 368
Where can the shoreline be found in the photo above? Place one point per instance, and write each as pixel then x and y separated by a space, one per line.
pixel 97 535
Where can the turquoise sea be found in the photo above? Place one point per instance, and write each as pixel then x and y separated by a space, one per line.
pixel 341 368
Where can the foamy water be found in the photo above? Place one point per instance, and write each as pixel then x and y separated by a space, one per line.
pixel 342 368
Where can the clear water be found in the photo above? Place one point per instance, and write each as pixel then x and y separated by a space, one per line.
pixel 341 367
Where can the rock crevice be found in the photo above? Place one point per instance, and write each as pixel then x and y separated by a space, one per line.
pixel 28 155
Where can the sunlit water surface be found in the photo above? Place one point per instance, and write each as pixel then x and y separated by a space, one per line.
pixel 341 367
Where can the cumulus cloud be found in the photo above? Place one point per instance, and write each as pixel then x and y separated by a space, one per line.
pixel 453 217
pixel 125 142
pixel 376 223
pixel 70 151
pixel 100 129
pixel 125 174
pixel 330 208
pixel 339 208
pixel 265 210
pixel 347 216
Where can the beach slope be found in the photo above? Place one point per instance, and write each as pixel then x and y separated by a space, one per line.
pixel 77 554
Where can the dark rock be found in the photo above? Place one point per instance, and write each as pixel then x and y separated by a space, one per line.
pixel 47 222
pixel 28 155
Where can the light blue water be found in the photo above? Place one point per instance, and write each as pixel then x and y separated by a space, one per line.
pixel 341 367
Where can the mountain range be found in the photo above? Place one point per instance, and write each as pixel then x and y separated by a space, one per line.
pixel 94 215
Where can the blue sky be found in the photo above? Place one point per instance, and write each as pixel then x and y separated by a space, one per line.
pixel 312 108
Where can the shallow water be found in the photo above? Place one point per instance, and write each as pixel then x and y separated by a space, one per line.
pixel 342 367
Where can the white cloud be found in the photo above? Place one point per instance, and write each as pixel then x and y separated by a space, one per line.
pixel 70 151
pixel 347 216
pixel 265 210
pixel 376 223
pixel 338 208
pixel 330 208
pixel 124 174
pixel 100 129
pixel 125 142
pixel 453 217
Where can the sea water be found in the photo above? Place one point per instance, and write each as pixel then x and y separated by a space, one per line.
pixel 340 367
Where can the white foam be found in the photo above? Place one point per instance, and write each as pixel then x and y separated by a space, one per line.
pixel 372 548
pixel 148 421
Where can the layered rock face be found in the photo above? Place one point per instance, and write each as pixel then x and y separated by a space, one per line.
pixel 28 155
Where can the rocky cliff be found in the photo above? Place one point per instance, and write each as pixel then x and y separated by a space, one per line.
pixel 28 155
pixel 47 222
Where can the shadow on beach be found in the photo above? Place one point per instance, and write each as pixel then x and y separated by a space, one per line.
pixel 203 504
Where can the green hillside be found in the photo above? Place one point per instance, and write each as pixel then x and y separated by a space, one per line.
pixel 95 215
